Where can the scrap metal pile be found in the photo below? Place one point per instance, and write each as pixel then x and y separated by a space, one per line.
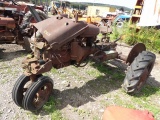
pixel 15 19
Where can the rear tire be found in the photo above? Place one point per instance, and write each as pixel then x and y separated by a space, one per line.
pixel 28 18
pixel 138 72
pixel 38 93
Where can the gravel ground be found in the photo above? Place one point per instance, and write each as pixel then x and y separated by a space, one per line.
pixel 80 95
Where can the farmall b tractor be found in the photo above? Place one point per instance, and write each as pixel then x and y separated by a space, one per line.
pixel 58 42
pixel 15 19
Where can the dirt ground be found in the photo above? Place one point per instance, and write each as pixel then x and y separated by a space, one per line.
pixel 80 93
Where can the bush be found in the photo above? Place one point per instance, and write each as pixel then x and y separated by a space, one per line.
pixel 147 35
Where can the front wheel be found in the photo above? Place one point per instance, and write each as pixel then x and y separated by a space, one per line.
pixel 38 93
pixel 20 88
pixel 138 72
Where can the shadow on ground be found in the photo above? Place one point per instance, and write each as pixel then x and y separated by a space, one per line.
pixel 111 81
pixel 7 56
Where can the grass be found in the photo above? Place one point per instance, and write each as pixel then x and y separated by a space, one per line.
pixel 32 116
pixel 95 118
pixel 50 107
pixel 145 100
pixel 1 113
pixel 94 73
pixel 147 35
pixel 3 81
pixel 142 101
pixel 54 70
pixel 107 82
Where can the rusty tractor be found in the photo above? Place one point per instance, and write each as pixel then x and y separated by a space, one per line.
pixel 58 42
pixel 15 19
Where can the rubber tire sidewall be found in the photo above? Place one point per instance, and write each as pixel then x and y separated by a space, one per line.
pixel 17 94
pixel 132 88
pixel 30 93
pixel 27 17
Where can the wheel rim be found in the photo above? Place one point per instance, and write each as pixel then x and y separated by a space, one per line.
pixel 42 95
pixel 145 75
pixel 26 86
pixel 119 24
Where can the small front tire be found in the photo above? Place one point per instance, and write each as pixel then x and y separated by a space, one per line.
pixel 38 93
pixel 19 89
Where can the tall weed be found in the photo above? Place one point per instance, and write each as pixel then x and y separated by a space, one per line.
pixel 147 35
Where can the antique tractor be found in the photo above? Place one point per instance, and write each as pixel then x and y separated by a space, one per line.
pixel 58 42
pixel 15 19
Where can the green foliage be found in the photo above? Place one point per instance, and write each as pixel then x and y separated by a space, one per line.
pixel 54 70
pixel 146 97
pixel 50 107
pixel 147 35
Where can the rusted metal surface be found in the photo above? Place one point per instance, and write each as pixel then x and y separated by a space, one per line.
pixel 42 95
pixel 67 30
pixel 8 22
pixel 15 24
pixel 145 75
pixel 22 6
pixel 106 27
pixel 5 35
pixel 70 43
pixel 102 56
pixel 135 51
pixel 78 52
pixel 121 113
pixel 91 31
pixel 59 41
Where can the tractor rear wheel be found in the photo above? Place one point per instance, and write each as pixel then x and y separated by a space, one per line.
pixel 37 94
pixel 29 16
pixel 138 72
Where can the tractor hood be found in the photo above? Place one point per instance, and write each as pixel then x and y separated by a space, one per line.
pixel 59 30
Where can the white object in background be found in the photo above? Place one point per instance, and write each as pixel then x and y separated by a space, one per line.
pixel 150 15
